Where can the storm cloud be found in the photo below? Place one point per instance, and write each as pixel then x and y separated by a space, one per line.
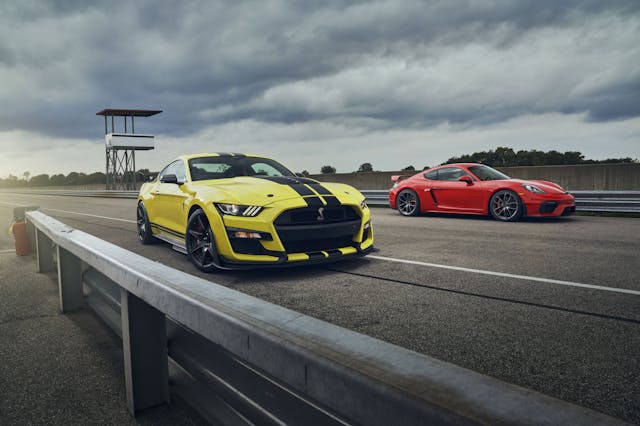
pixel 378 66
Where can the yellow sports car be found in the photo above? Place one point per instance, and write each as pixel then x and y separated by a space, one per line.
pixel 237 211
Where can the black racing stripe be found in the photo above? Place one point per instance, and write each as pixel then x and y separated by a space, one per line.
pixel 314 201
pixel 306 181
pixel 328 196
pixel 331 200
pixel 283 180
pixel 302 189
pixel 320 189
pixel 296 184
pixel 289 181
pixel 238 154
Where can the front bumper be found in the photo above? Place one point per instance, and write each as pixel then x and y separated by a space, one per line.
pixel 549 205
pixel 290 244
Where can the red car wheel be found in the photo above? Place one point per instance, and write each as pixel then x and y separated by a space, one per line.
pixel 506 206
pixel 408 203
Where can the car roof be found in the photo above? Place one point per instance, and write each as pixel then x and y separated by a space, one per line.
pixel 458 165
pixel 218 154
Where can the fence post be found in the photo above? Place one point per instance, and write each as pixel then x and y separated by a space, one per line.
pixel 69 281
pixel 31 233
pixel 44 248
pixel 144 342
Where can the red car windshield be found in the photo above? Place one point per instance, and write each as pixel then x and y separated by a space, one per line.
pixel 487 173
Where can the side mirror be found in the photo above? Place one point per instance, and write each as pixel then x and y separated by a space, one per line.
pixel 170 179
pixel 299 174
pixel 466 179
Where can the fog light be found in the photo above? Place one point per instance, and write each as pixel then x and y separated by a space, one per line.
pixel 243 234
pixel 367 225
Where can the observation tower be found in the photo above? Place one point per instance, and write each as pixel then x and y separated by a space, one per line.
pixel 121 147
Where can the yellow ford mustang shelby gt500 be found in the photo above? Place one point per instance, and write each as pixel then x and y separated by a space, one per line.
pixel 237 211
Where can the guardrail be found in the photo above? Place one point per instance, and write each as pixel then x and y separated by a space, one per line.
pixel 586 201
pixel 241 360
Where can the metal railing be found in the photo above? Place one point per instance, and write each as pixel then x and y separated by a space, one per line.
pixel 241 360
pixel 586 201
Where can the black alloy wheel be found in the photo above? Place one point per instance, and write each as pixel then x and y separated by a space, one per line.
pixel 408 203
pixel 144 227
pixel 200 244
pixel 506 206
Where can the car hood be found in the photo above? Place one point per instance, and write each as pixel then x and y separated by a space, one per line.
pixel 546 186
pixel 263 191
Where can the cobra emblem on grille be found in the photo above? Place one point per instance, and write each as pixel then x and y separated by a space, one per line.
pixel 320 213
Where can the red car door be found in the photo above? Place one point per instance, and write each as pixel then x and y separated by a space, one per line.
pixel 455 195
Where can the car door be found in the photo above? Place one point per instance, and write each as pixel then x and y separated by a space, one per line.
pixel 168 200
pixel 423 188
pixel 454 195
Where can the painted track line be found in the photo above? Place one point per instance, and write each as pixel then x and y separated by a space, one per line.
pixel 507 275
pixel 90 215
pixel 418 263
pixel 76 213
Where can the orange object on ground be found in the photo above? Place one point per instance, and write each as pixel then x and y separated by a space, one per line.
pixel 21 237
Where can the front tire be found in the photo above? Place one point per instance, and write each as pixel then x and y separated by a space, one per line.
pixel 144 227
pixel 200 243
pixel 408 203
pixel 506 206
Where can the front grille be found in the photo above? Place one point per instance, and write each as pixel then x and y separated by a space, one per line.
pixel 312 215
pixel 315 237
pixel 312 229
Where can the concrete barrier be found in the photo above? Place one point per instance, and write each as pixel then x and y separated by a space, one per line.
pixel 583 177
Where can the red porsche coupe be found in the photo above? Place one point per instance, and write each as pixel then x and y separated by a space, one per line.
pixel 471 188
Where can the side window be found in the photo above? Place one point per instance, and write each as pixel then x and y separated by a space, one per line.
pixel 450 173
pixel 181 171
pixel 165 171
pixel 432 175
pixel 176 168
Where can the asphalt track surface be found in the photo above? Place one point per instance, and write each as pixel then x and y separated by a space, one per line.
pixel 550 305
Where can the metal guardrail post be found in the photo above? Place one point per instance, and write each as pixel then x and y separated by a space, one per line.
pixel 44 248
pixel 69 281
pixel 144 342
pixel 31 233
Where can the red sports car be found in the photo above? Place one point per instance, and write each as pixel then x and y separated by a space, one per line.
pixel 477 189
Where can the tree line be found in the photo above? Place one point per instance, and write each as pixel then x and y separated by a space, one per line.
pixel 508 157
pixel 71 179
pixel 500 157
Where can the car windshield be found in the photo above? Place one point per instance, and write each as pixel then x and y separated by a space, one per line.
pixel 487 173
pixel 226 166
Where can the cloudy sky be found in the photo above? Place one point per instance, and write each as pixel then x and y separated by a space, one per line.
pixel 311 83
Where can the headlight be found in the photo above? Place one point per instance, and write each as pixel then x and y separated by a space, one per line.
pixel 363 204
pixel 237 210
pixel 532 188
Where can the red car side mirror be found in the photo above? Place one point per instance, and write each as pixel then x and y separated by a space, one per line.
pixel 466 179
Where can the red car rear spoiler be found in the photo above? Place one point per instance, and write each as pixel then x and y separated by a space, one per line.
pixel 399 178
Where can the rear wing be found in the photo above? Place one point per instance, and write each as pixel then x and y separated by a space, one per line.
pixel 399 178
